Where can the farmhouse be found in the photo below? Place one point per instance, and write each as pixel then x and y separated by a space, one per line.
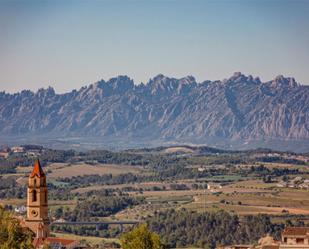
pixel 213 186
pixel 297 182
pixel 295 238
pixel 5 153
pixel 17 149
pixel 291 238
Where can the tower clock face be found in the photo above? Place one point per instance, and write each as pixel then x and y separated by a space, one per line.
pixel 34 213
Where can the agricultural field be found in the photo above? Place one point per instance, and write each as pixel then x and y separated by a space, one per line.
pixel 137 184
pixel 92 240
pixel 55 171
pixel 87 169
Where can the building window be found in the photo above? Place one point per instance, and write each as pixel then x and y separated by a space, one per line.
pixel 300 241
pixel 34 182
pixel 285 239
pixel 45 197
pixel 34 195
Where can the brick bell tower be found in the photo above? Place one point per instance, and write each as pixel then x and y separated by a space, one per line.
pixel 37 208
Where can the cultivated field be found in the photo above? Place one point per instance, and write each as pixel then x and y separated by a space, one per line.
pixel 243 195
pixel 243 198
pixel 61 170
pixel 177 149
pixel 87 169
pixel 89 239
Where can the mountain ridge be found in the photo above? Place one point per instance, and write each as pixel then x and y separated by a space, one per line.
pixel 238 109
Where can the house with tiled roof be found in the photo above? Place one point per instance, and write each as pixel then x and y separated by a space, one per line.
pixel 291 238
pixel 295 238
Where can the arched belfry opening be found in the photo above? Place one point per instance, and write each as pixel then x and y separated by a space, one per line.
pixel 34 195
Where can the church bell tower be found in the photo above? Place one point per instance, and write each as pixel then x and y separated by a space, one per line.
pixel 37 206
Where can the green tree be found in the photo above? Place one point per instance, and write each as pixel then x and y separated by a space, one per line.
pixel 267 179
pixel 58 212
pixel 141 238
pixel 12 236
pixel 46 245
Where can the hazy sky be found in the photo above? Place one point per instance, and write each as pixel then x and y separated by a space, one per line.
pixel 67 44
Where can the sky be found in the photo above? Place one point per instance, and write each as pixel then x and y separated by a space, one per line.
pixel 67 44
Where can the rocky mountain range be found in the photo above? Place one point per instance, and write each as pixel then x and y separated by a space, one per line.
pixel 239 112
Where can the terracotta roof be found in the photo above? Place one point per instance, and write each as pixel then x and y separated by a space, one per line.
pixel 270 247
pixel 302 231
pixel 64 242
pixel 37 242
pixel 37 169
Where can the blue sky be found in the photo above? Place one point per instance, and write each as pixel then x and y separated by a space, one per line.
pixel 70 43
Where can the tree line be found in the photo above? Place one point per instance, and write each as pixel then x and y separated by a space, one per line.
pixel 185 228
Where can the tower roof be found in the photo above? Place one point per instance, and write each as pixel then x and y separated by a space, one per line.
pixel 37 169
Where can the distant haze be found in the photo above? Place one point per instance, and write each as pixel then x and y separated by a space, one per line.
pixel 67 44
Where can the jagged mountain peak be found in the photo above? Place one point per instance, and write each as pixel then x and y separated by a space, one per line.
pixel 163 85
pixel 239 77
pixel 281 81
pixel 115 85
pixel 121 83
pixel 188 80
pixel 26 93
pixel 99 84
pixel 166 109
pixel 120 78
pixel 49 91
pixel 159 77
